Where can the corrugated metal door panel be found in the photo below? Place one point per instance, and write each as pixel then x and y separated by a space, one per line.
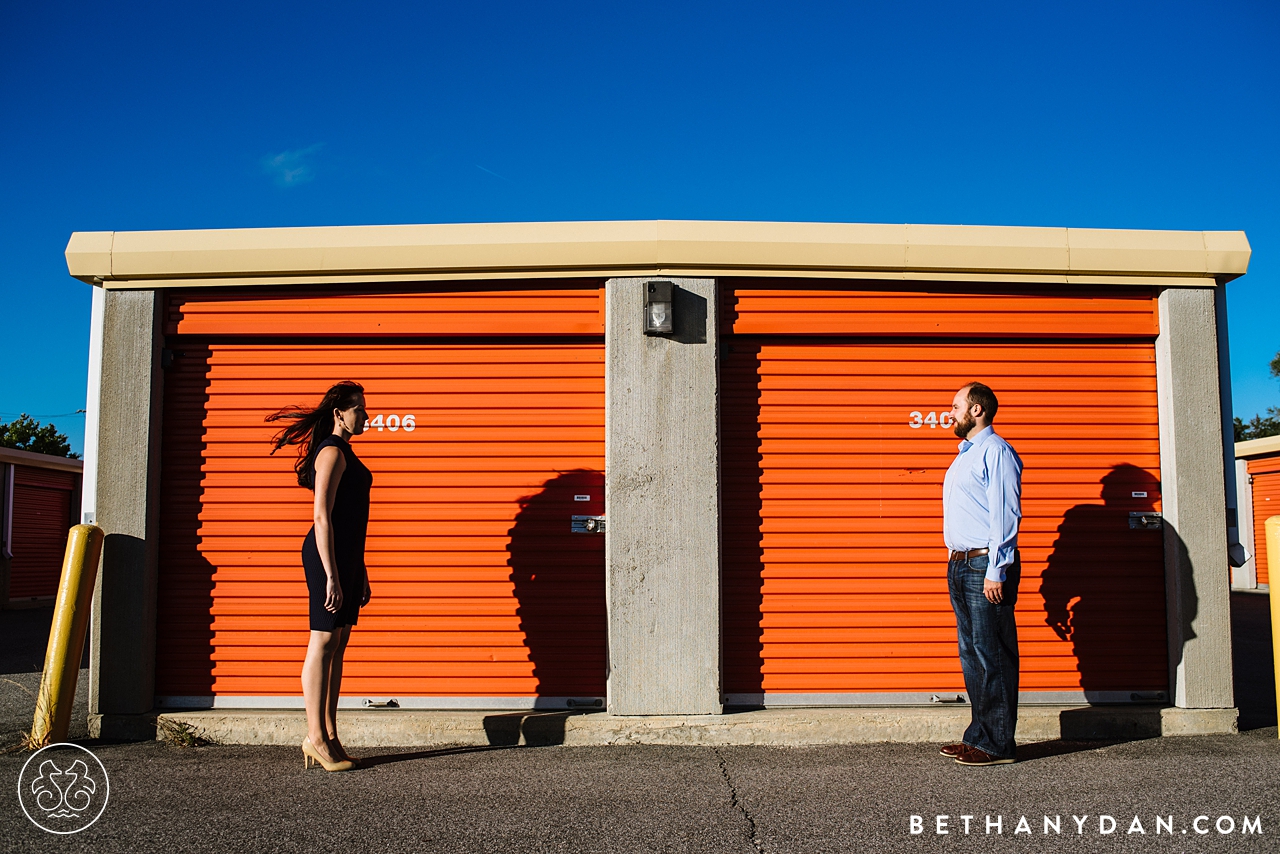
pixel 41 519
pixel 541 308
pixel 1265 474
pixel 479 588
pixel 771 307
pixel 835 579
pixel 47 478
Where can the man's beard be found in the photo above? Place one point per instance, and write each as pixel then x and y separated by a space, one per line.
pixel 963 424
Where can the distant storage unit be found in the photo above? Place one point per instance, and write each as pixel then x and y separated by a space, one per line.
pixel 767 450
pixel 1258 491
pixel 39 502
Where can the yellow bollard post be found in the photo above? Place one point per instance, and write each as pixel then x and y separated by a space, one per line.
pixel 66 636
pixel 1273 569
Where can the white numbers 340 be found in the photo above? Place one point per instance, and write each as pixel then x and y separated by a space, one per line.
pixel 393 423
pixel 933 420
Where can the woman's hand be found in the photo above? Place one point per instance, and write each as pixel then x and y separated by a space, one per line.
pixel 332 595
pixel 368 594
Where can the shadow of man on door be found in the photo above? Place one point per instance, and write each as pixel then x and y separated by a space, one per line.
pixel 1104 592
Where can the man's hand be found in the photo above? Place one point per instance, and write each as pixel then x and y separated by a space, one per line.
pixel 993 590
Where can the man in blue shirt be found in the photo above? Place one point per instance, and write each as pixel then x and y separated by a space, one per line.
pixel 981 509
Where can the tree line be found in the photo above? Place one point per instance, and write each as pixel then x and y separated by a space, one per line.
pixel 24 433
pixel 1260 426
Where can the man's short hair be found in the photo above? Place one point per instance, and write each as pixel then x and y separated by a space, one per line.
pixel 984 397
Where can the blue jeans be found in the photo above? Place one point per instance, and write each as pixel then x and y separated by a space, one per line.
pixel 988 653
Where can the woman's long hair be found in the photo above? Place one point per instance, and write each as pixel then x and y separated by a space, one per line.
pixel 309 427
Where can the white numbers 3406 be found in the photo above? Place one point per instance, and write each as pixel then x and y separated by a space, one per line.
pixel 933 420
pixel 393 423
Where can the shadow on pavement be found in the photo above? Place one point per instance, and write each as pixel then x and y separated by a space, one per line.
pixel 24 634
pixel 390 758
pixel 1058 747
pixel 505 731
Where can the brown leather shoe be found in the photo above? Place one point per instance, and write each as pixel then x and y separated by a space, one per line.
pixel 974 756
pixel 951 751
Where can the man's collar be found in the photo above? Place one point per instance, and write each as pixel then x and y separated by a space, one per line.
pixel 978 438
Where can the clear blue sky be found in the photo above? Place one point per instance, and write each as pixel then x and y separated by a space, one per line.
pixel 123 116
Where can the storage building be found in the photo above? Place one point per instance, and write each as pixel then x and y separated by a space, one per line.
pixel 39 502
pixel 1258 491
pixel 768 471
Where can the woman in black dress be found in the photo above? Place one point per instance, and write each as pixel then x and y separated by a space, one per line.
pixel 332 554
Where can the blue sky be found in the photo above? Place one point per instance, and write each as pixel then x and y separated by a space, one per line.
pixel 217 115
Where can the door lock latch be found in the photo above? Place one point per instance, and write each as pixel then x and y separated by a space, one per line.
pixel 587 524
pixel 1149 520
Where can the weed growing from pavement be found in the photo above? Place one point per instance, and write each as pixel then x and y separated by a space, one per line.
pixel 179 733
pixel 28 741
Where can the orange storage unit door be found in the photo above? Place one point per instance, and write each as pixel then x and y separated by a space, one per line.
pixel 835 448
pixel 481 451
pixel 1264 475
pixel 42 515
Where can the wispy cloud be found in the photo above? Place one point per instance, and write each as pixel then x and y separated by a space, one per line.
pixel 491 172
pixel 291 168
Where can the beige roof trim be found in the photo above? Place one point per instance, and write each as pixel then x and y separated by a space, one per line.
pixel 641 272
pixel 40 461
pixel 1258 447
pixel 661 247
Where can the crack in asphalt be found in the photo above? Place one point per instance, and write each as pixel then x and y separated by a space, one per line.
pixel 736 804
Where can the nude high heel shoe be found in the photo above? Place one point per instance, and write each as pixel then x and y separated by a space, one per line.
pixel 310 754
pixel 335 744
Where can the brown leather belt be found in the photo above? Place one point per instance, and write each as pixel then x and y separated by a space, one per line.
pixel 970 553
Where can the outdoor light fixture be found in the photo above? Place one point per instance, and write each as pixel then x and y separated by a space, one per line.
pixel 657 308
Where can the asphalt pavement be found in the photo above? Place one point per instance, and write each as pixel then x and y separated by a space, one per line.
pixel 693 799
pixel 24 634
pixel 674 799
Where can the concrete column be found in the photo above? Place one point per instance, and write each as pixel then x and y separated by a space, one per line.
pixel 1192 485
pixel 123 637
pixel 662 502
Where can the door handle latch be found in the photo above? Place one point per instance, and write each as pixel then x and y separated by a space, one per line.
pixel 587 524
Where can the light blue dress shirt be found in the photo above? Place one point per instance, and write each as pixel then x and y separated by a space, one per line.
pixel 982 500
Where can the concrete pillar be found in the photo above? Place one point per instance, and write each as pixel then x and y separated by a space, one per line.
pixel 1197 584
pixel 662 503
pixel 123 638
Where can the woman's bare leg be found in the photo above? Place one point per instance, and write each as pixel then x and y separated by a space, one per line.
pixel 315 685
pixel 334 684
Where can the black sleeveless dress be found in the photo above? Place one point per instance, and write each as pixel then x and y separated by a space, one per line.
pixel 350 522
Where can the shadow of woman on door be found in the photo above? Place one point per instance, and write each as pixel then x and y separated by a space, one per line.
pixel 559 585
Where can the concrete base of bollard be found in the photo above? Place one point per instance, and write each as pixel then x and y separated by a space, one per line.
pixel 123 727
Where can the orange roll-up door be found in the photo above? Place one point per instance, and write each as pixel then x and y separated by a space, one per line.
pixel 835 448
pixel 41 518
pixel 481 595
pixel 1264 474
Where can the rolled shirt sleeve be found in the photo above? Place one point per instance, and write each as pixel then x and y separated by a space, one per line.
pixel 1004 506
